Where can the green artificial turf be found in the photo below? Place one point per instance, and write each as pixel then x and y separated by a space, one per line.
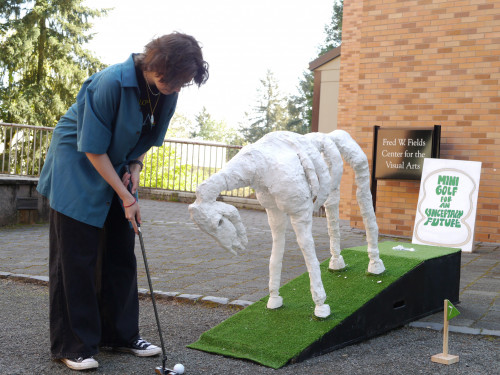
pixel 273 337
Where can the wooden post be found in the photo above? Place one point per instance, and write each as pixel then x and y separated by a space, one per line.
pixel 444 357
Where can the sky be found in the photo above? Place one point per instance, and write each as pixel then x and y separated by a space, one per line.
pixel 240 40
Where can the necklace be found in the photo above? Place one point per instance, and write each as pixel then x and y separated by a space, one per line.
pixel 149 88
pixel 153 108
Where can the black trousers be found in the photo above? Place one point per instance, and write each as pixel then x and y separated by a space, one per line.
pixel 92 284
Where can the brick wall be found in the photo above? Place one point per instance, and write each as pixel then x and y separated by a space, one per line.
pixel 421 63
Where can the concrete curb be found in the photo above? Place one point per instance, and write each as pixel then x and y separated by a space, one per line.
pixel 144 293
pixel 457 329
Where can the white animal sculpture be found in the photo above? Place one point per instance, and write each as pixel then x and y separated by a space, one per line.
pixel 293 175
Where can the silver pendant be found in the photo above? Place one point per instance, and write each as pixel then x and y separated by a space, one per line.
pixel 152 119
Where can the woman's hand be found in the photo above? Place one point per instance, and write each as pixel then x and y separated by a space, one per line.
pixel 134 176
pixel 132 209
pixel 103 165
pixel 133 213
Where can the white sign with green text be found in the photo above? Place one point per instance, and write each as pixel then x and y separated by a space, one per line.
pixel 447 202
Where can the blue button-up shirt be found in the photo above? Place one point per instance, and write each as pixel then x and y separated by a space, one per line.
pixel 106 119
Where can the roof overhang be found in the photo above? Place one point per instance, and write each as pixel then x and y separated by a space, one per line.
pixel 324 58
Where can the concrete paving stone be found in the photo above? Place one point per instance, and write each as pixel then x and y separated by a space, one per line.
pixel 483 293
pixel 215 265
pixel 213 301
pixel 484 260
pixel 169 296
pixel 492 326
pixel 37 270
pixel 44 279
pixel 465 330
pixel 487 285
pixel 175 284
pixel 20 276
pixel 227 280
pixel 470 277
pixel 192 279
pixel 191 298
pixel 240 303
pixel 254 297
pixel 473 296
pixel 238 292
pixel 240 267
pixel 469 314
pixel 204 290
pixel 481 269
pixel 458 322
pixel 493 315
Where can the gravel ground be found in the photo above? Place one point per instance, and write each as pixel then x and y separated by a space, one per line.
pixel 25 344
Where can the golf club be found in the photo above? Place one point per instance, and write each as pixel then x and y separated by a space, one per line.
pixel 178 368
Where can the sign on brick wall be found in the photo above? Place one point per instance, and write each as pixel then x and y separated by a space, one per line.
pixel 447 202
pixel 399 153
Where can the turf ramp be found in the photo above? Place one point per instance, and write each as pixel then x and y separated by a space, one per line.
pixel 414 285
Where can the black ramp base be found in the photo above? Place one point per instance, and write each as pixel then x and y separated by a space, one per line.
pixel 419 293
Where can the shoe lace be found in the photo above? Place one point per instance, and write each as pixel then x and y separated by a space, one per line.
pixel 81 359
pixel 142 344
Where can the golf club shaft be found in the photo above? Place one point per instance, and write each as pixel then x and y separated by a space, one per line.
pixel 146 266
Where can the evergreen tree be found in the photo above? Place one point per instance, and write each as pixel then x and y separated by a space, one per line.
pixel 209 129
pixel 333 30
pixel 42 61
pixel 180 126
pixel 270 114
pixel 300 106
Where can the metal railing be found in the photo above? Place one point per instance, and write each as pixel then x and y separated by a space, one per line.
pixel 23 148
pixel 181 165
pixel 178 165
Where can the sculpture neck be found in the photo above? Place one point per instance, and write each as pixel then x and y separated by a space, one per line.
pixel 239 172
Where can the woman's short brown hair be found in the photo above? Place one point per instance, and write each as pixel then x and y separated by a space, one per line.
pixel 177 57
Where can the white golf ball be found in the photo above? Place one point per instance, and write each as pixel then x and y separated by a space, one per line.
pixel 179 368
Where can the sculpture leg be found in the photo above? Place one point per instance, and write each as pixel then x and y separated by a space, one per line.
pixel 302 225
pixel 364 197
pixel 332 217
pixel 278 222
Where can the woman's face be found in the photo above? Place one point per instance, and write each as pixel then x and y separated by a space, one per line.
pixel 164 87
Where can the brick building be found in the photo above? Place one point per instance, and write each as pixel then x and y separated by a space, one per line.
pixel 417 63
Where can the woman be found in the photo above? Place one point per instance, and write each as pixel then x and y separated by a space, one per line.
pixel 119 114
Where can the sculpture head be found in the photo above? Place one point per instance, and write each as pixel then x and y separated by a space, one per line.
pixel 221 221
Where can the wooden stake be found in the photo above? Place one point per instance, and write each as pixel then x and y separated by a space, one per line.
pixel 444 357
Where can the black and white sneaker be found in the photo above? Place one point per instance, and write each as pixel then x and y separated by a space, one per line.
pixel 80 363
pixel 140 348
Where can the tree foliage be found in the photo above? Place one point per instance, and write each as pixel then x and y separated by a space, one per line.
pixel 271 112
pixel 333 30
pixel 180 126
pixel 301 104
pixel 42 61
pixel 163 169
pixel 209 129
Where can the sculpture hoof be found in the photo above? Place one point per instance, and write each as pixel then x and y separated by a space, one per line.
pixel 337 264
pixel 275 302
pixel 322 311
pixel 376 267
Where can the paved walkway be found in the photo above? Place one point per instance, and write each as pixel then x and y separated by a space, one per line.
pixel 188 264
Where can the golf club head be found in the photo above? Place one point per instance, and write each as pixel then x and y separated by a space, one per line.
pixel 159 371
